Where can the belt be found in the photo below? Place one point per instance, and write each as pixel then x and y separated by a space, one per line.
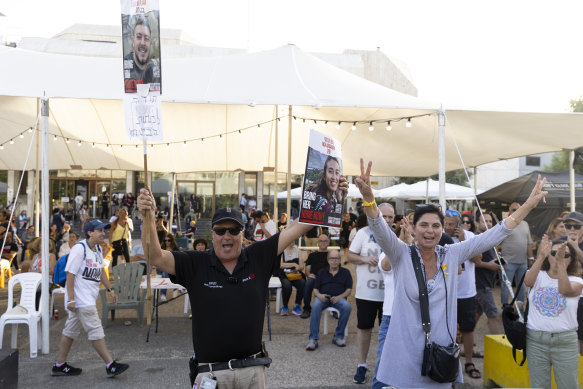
pixel 233 364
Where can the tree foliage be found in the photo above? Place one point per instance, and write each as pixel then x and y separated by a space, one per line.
pixel 560 161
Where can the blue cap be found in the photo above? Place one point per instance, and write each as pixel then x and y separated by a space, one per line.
pixel 95 224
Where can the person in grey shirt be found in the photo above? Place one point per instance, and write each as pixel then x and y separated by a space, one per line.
pixel 515 250
pixel 402 355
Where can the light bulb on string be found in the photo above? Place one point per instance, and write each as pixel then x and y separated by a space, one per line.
pixel 79 144
pixel 54 137
pixel 240 133
pixel 167 145
pixel 30 130
pixel 137 148
pixel 184 144
pixel 259 127
pixel 202 140
pixel 221 138
pixel 108 148
pixel 371 127
pixel 408 124
pixel 93 146
pixel 120 147
pixel 389 126
pixel 1 147
pixel 338 125
pixel 21 136
pixel 11 141
pixel 354 126
pixel 68 141
pixel 324 123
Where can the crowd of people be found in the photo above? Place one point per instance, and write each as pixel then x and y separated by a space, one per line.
pixel 461 254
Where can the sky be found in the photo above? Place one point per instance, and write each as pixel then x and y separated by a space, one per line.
pixel 491 55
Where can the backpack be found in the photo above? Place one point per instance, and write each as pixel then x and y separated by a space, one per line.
pixel 514 329
pixel 59 274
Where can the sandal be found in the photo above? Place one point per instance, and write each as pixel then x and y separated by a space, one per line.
pixel 471 371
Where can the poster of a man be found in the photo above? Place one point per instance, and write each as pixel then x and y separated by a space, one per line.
pixel 141 45
pixel 321 198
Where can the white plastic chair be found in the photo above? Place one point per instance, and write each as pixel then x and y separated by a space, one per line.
pixel 331 310
pixel 55 291
pixel 25 312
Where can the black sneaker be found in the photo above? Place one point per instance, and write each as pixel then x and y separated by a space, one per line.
pixel 65 369
pixel 305 314
pixel 116 369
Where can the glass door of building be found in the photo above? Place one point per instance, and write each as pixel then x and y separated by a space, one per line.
pixel 198 196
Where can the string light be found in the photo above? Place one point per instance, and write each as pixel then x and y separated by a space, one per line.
pixel 259 127
pixel 68 141
pixel 79 144
pixel 30 130
pixel 21 136
pixel 11 141
pixel 167 145
pixel 93 146
pixel 1 147
pixel 55 137
pixel 408 124
pixel 202 140
pixel 371 127
pixel 184 144
pixel 120 147
pixel 137 148
pixel 324 124
pixel 338 125
pixel 240 133
pixel 221 138
pixel 389 126
pixel 354 126
pixel 108 148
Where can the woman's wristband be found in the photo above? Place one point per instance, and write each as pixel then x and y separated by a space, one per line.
pixel 70 302
pixel 368 203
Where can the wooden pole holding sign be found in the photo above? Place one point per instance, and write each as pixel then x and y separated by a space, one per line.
pixel 143 90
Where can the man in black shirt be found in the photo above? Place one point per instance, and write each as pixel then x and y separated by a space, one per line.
pixel 227 286
pixel 316 261
pixel 333 285
pixel 485 275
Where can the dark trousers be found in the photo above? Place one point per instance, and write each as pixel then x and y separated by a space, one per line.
pixel 120 247
pixel 286 290
pixel 308 289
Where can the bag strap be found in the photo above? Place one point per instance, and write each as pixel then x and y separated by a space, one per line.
pixel 423 298
pixel 525 320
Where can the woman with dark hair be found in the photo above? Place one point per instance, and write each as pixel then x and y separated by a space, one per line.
pixel 556 229
pixel 326 188
pixel 551 328
pixel 200 244
pixel 403 351
pixel 169 243
pixel 468 223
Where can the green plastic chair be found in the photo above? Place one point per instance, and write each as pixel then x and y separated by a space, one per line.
pixel 126 283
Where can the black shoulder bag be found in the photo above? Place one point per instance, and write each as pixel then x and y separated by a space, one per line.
pixel 514 329
pixel 440 363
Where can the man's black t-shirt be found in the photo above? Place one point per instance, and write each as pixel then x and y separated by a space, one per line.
pixel 318 260
pixel 485 277
pixel 445 239
pixel 229 308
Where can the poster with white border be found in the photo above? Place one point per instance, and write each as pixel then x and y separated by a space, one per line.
pixel 321 197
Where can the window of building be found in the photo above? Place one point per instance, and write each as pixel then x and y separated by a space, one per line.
pixel 532 161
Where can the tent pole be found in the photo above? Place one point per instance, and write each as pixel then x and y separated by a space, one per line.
pixel 427 191
pixel 441 158
pixel 36 182
pixel 146 244
pixel 172 202
pixel 275 210
pixel 572 179
pixel 289 150
pixel 475 188
pixel 44 300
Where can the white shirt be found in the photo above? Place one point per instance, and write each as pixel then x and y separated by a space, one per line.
pixel 467 279
pixel 549 310
pixel 87 271
pixel 389 288
pixel 269 226
pixel 369 281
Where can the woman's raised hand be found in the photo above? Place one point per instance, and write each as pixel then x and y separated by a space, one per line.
pixel 363 182
pixel 343 187
pixel 537 193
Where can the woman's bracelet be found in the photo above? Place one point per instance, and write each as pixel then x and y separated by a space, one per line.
pixel 70 302
pixel 368 204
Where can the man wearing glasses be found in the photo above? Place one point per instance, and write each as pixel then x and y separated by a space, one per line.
pixel 333 285
pixel 515 250
pixel 316 261
pixel 227 286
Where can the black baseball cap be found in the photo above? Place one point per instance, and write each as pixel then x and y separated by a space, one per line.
pixel 223 214
pixel 575 216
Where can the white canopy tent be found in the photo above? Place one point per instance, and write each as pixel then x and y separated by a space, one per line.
pixel 230 96
pixel 427 189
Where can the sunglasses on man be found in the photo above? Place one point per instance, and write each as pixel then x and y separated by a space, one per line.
pixel 569 226
pixel 220 231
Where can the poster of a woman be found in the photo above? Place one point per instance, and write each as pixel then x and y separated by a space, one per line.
pixel 321 198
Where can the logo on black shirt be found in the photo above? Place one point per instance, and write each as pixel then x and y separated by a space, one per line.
pixel 248 278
